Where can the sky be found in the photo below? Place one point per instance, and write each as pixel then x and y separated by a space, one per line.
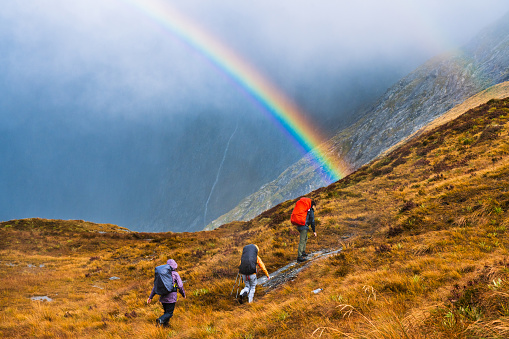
pixel 107 115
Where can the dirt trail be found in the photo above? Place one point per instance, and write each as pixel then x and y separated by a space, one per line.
pixel 290 271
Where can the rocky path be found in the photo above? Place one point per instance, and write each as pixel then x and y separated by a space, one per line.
pixel 290 271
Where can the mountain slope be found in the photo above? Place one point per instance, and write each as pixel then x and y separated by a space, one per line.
pixel 414 101
pixel 424 254
pixel 499 91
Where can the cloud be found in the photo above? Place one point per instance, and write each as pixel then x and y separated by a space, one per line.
pixel 343 30
pixel 99 54
pixel 110 56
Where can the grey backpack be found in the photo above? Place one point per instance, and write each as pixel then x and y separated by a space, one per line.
pixel 163 280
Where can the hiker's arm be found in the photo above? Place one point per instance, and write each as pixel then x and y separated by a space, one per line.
pixel 262 266
pixel 312 220
pixel 152 294
pixel 180 285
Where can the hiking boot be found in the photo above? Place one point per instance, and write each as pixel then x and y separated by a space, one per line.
pixel 241 297
pixel 301 259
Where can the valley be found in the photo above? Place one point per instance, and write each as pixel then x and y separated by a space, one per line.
pixel 424 254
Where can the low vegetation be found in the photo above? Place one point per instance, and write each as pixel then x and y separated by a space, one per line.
pixel 423 232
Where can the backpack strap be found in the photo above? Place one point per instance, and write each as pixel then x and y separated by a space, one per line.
pixel 175 287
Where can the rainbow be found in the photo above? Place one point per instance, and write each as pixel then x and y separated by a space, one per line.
pixel 286 113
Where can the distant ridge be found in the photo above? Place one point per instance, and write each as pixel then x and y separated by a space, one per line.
pixel 499 91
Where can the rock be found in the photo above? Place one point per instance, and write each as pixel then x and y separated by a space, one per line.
pixel 41 298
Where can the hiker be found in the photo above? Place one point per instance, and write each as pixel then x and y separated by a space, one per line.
pixel 248 268
pixel 303 215
pixel 166 283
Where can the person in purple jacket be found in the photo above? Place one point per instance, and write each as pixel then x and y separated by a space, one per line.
pixel 168 300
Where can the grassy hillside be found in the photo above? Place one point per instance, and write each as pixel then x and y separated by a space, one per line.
pixel 425 255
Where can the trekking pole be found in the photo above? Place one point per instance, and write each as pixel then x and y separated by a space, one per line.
pixel 235 283
pixel 238 287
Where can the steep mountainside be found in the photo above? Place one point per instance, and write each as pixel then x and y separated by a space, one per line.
pixel 419 236
pixel 414 101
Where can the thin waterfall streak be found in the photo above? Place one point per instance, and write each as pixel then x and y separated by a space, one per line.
pixel 218 173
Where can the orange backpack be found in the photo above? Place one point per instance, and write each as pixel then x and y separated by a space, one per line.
pixel 300 211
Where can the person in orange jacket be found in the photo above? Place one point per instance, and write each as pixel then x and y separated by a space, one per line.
pixel 303 216
pixel 248 268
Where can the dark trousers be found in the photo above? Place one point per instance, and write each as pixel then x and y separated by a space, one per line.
pixel 303 240
pixel 168 313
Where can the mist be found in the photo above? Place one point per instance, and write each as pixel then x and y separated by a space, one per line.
pixel 108 117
